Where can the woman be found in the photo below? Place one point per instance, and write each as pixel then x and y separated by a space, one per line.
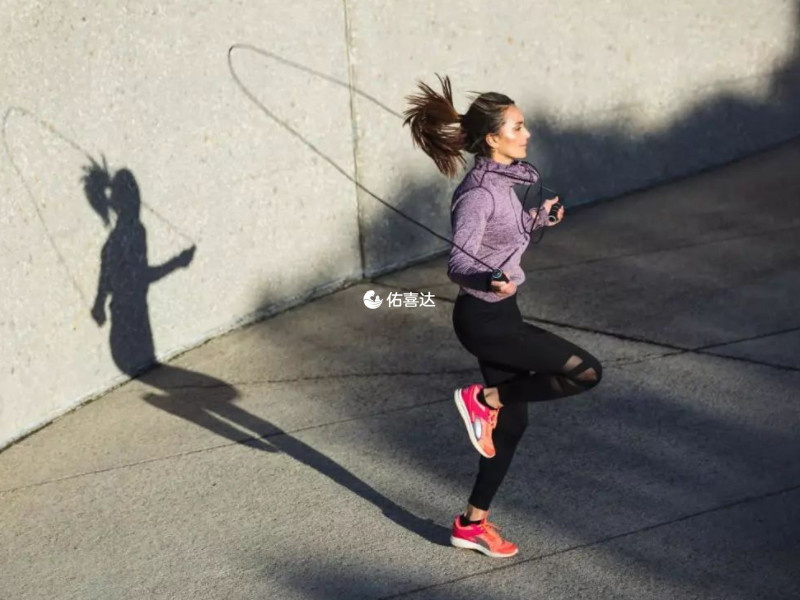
pixel 519 362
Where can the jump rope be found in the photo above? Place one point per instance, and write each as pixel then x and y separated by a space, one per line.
pixel 496 272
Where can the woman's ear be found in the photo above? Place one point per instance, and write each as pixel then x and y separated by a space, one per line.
pixel 491 140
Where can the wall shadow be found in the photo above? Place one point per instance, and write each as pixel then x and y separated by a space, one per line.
pixel 125 273
pixel 125 278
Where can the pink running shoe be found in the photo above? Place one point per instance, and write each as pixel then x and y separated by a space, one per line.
pixel 483 537
pixel 479 420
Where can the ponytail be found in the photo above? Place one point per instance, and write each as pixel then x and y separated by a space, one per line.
pixel 436 126
pixel 443 134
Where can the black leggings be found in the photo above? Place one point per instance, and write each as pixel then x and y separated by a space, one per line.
pixel 508 350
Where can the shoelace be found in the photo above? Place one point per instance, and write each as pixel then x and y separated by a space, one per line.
pixel 493 412
pixel 492 531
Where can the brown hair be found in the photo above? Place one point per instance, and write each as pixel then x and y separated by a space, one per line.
pixel 438 129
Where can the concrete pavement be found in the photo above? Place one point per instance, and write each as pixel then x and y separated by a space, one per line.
pixel 317 454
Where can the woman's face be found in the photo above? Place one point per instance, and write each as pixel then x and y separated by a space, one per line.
pixel 511 142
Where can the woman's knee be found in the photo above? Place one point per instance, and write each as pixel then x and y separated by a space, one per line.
pixel 592 374
pixel 584 371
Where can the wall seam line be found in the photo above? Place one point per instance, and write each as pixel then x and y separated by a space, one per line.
pixel 348 41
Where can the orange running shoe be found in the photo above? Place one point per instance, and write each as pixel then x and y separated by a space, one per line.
pixel 483 537
pixel 480 420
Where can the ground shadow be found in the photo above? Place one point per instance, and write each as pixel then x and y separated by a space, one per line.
pixel 208 404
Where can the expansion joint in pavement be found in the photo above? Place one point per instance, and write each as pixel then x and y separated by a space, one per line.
pixel 329 376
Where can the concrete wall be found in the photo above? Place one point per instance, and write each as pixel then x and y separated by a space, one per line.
pixel 251 162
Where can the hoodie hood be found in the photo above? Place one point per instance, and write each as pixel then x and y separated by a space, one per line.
pixel 516 173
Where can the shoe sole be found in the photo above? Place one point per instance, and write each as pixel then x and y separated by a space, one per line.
pixel 467 545
pixel 462 410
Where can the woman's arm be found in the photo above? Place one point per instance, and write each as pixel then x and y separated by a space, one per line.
pixel 103 287
pixel 470 213
pixel 181 260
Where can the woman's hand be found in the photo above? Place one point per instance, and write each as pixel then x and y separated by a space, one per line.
pixel 99 312
pixel 504 289
pixel 185 258
pixel 548 204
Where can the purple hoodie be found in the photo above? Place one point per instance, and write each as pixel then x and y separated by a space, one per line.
pixel 489 222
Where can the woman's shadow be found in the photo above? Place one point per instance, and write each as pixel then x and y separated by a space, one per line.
pixel 125 277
